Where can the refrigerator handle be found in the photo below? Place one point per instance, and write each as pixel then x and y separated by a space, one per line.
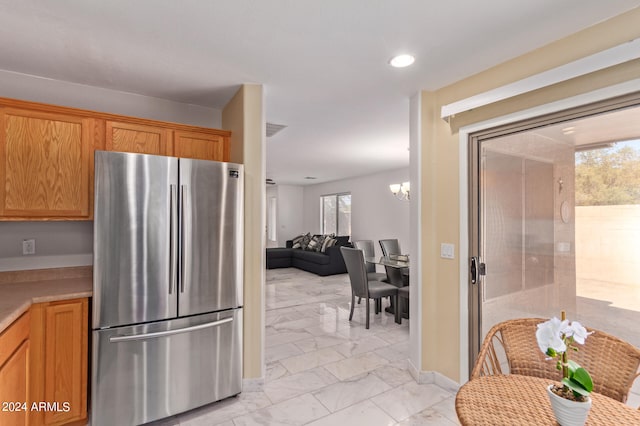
pixel 183 237
pixel 156 334
pixel 173 238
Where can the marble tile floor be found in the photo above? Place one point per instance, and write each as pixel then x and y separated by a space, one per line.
pixel 322 369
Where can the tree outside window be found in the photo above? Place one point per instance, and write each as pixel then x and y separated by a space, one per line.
pixel 335 213
pixel 609 176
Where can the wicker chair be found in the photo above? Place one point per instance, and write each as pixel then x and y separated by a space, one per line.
pixel 612 363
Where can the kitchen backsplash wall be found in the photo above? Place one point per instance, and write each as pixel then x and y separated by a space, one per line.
pixel 57 244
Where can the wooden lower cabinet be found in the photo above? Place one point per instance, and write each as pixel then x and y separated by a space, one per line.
pixel 14 372
pixel 59 361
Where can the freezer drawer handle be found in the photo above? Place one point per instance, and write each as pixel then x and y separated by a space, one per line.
pixel 157 334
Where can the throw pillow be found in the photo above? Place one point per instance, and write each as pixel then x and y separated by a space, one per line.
pixel 328 242
pixel 321 241
pixel 297 241
pixel 314 243
pixel 301 241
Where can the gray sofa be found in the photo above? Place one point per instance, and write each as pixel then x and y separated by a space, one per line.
pixel 328 263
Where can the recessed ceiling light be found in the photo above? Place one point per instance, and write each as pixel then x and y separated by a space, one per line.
pixel 401 61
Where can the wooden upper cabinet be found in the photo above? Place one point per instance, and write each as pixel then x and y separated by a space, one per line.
pixel 45 169
pixel 200 146
pixel 47 152
pixel 137 138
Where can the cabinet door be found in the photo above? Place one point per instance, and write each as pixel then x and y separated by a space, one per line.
pixel 60 329
pixel 14 373
pixel 200 146
pixel 137 138
pixel 44 167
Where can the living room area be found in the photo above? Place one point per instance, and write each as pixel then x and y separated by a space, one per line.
pixel 308 224
pixel 373 212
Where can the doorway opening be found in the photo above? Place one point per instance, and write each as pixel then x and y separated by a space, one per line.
pixel 555 220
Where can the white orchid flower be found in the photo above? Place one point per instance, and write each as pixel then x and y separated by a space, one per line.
pixel 554 338
pixel 549 335
pixel 578 332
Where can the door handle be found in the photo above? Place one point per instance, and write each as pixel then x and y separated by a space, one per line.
pixel 173 240
pixel 476 269
pixel 473 270
pixel 183 238
pixel 165 333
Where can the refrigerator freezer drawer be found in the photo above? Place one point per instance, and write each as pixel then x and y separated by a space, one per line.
pixel 146 372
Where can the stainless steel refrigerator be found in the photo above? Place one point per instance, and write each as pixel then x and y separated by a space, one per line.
pixel 167 286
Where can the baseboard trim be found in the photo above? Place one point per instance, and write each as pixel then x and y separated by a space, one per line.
pixel 253 384
pixel 435 377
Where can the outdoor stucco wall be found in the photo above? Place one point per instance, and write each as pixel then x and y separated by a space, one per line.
pixel 608 243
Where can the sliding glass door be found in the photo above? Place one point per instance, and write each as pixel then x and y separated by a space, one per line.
pixel 555 220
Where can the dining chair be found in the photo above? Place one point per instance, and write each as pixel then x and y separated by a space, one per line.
pixel 360 285
pixel 612 362
pixel 368 250
pixel 389 247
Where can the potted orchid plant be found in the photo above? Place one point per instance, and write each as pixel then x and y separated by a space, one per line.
pixel 571 401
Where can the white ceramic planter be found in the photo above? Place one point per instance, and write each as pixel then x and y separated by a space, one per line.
pixel 567 412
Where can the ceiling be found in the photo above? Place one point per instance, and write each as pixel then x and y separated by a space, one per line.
pixel 596 130
pixel 323 63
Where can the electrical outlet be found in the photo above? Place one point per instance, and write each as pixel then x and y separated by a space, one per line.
pixel 28 246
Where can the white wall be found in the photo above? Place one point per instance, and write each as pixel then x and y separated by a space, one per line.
pixel 375 213
pixel 56 92
pixel 271 192
pixel 290 212
pixel 61 244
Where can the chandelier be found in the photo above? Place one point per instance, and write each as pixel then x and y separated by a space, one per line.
pixel 401 190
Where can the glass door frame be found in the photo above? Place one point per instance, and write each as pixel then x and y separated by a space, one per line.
pixel 474 142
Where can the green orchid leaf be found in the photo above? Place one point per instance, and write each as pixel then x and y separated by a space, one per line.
pixel 573 366
pixel 575 387
pixel 582 376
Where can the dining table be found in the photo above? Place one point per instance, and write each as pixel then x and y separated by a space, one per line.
pixel 395 261
pixel 513 399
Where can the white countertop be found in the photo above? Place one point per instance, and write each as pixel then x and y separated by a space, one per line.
pixel 17 297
